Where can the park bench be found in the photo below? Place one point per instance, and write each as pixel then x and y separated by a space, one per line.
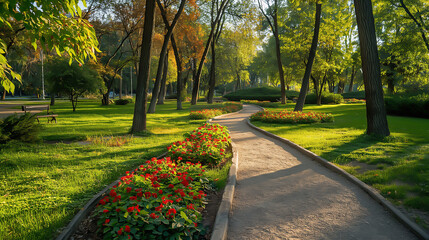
pixel 49 115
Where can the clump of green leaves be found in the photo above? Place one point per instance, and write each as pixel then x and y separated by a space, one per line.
pixel 23 128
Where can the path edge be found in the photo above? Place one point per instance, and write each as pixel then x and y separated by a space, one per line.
pixel 413 227
pixel 89 206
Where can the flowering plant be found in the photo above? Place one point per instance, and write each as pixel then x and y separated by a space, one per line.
pixel 159 200
pixel 265 104
pixel 227 107
pixel 354 100
pixel 207 145
pixel 291 117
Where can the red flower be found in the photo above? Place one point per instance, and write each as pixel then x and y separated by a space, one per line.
pixel 105 211
pixel 118 210
pixel 159 208
pixel 154 216
pixel 190 206
pixel 129 189
pixel 127 229
pixel 120 231
pixel 171 211
pixel 195 224
pixel 130 209
pixel 107 221
pixel 171 186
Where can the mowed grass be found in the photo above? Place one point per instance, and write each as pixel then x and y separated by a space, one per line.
pixel 398 166
pixel 43 185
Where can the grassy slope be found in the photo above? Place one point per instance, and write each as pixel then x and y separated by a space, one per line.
pixel 398 165
pixel 43 185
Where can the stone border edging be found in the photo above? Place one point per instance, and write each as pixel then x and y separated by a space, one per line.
pixel 220 227
pixel 89 206
pixel 413 227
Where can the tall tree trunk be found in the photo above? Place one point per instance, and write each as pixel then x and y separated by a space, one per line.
pixel 105 99
pixel 306 80
pixel 212 80
pixel 390 85
pixel 163 89
pixel 352 78
pixel 279 63
pixel 139 119
pixel 197 76
pixel 52 99
pixel 120 86
pixel 179 73
pixel 375 108
pixel 3 96
pixel 156 87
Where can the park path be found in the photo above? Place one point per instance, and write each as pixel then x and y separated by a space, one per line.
pixel 283 194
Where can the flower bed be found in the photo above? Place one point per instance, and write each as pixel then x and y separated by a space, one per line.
pixel 227 107
pixel 206 145
pixel 159 200
pixel 291 117
pixel 164 198
pixel 354 100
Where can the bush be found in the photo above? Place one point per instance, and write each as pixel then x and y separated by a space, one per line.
pixel 23 128
pixel 205 114
pixel 123 101
pixel 264 104
pixel 405 105
pixel 355 95
pixel 271 94
pixel 206 145
pixel 354 100
pixel 291 117
pixel 327 98
pixel 229 107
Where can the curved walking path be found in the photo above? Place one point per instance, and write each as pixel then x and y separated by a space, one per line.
pixel 283 194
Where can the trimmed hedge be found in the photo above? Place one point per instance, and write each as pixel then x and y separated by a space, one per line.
pixel 411 106
pixel 355 95
pixel 271 94
pixel 327 98
pixel 123 101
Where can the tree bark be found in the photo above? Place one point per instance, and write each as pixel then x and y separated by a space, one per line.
pixel 306 80
pixel 212 79
pixel 279 61
pixel 139 119
pixel 3 96
pixel 375 108
pixel 156 87
pixel 163 82
pixel 52 99
pixel 352 78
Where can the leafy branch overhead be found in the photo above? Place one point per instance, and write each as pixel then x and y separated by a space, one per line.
pixel 51 25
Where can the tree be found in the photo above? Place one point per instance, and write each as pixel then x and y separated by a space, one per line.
pixel 73 80
pixel 271 15
pixel 306 80
pixel 48 26
pixel 139 119
pixel 375 108
pixel 163 54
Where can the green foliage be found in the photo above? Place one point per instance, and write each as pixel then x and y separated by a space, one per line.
pixel 405 105
pixel 73 80
pixel 355 95
pixel 23 128
pixel 271 94
pixel 226 107
pixel 123 101
pixel 53 25
pixel 327 98
pixel 264 104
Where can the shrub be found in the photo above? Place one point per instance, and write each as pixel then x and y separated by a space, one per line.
pixel 354 100
pixel 291 117
pixel 264 104
pixel 159 200
pixel 123 101
pixel 405 105
pixel 271 94
pixel 229 107
pixel 356 95
pixel 327 98
pixel 206 145
pixel 205 114
pixel 23 128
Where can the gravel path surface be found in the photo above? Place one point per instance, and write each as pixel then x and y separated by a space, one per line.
pixel 282 194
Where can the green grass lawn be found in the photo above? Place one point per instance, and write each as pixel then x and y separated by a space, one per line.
pixel 398 166
pixel 44 185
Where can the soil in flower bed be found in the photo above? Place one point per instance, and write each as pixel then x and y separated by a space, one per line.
pixel 87 229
